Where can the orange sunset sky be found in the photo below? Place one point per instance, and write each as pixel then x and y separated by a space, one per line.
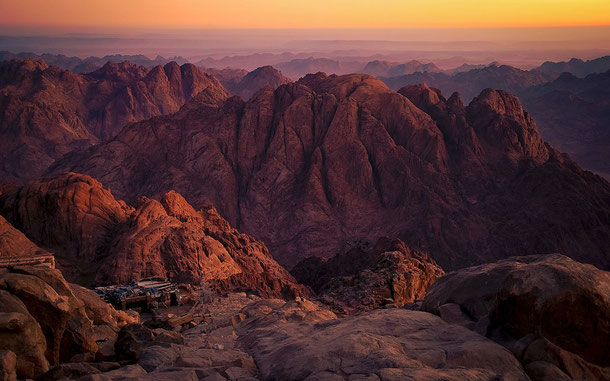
pixel 304 14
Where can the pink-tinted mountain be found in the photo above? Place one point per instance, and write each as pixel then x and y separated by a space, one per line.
pixel 329 160
pixel 100 240
pixel 46 112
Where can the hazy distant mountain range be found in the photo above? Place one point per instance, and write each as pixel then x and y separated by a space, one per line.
pixel 299 64
pixel 571 112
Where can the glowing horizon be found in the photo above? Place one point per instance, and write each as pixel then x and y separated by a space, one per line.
pixel 325 14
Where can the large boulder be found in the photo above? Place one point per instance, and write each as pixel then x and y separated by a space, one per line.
pixel 545 308
pixel 21 334
pixel 100 312
pixel 60 314
pixel 44 322
pixel 134 338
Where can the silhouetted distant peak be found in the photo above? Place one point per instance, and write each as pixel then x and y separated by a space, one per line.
pixel 566 76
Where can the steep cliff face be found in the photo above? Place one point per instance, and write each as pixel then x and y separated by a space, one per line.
pixel 100 240
pixel 329 160
pixel 46 112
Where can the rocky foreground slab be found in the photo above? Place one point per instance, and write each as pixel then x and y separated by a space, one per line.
pixel 525 318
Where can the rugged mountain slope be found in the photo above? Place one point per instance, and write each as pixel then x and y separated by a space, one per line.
pixel 573 114
pixel 329 160
pixel 255 80
pixel 46 112
pixel 99 239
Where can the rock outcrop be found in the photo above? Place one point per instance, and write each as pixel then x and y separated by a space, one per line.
pixel 99 240
pixel 8 366
pixel 552 312
pixel 361 279
pixel 329 160
pixel 43 322
pixel 22 335
pixel 46 112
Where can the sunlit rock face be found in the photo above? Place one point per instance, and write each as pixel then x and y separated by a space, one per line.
pixel 100 240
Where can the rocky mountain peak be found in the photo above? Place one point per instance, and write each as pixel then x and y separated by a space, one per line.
pixel 120 71
pixel 498 118
pixel 455 103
